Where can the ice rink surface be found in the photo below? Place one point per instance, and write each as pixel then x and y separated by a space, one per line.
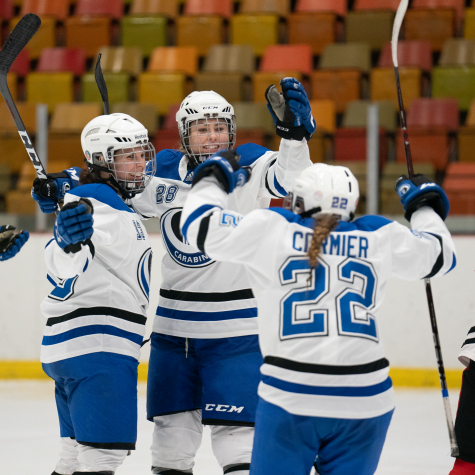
pixel 417 442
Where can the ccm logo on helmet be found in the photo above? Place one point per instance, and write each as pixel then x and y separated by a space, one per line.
pixel 210 107
pixel 223 408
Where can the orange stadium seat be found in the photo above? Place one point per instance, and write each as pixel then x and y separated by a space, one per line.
pixel 316 29
pixel 278 7
pixel 376 5
pixel 59 9
pixel 261 81
pixel 459 184
pixel 223 8
pixel 167 8
pixel 287 57
pixel 259 31
pixel 201 31
pixel 161 89
pixel 62 59
pixel 410 54
pixel 337 6
pixel 107 8
pixel 88 33
pixel 45 37
pixel 429 122
pixel 457 5
pixel 174 58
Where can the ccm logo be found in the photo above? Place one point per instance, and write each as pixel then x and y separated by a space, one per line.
pixel 223 408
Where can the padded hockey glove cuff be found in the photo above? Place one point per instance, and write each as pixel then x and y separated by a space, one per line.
pixel 11 243
pixel 74 225
pixel 225 167
pixel 47 192
pixel 419 191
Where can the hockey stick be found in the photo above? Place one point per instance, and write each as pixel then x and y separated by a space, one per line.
pixel 19 37
pixel 101 84
pixel 401 11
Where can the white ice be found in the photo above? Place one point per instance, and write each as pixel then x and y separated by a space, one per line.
pixel 417 442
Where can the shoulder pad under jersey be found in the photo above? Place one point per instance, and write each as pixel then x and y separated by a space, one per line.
pixel 103 193
pixel 250 152
pixel 168 162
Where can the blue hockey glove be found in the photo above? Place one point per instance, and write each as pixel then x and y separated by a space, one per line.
pixel 225 167
pixel 419 191
pixel 73 225
pixel 47 192
pixel 291 110
pixel 11 243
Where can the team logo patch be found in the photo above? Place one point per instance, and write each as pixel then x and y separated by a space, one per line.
pixel 144 271
pixel 179 250
pixel 88 155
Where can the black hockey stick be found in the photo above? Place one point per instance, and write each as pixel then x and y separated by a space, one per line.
pixel 19 37
pixel 401 11
pixel 101 84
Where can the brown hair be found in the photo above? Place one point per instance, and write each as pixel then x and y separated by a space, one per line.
pixel 86 177
pixel 326 223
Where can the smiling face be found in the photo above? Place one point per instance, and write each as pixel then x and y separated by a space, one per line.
pixel 129 164
pixel 208 136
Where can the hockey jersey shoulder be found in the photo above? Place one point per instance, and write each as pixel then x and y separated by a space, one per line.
pixel 250 152
pixel 103 193
pixel 168 162
pixel 291 217
pixel 366 223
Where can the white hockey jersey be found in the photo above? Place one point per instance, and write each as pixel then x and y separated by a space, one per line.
pixel 201 298
pixel 320 339
pixel 467 352
pixel 100 293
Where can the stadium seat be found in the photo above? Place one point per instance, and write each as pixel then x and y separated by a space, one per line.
pixel 229 85
pixel 311 6
pixel 253 115
pixel 62 59
pixel 261 81
pixel 19 201
pixel 259 31
pixel 49 88
pixel 120 59
pixel 278 7
pixel 376 5
pixel 346 55
pixel 469 24
pixel 13 150
pixel 6 9
pixel 201 31
pixel 458 52
pixel 146 32
pixel 222 8
pixel 88 33
pixel 103 8
pixel 174 58
pixel 383 85
pixel 145 113
pixel 118 87
pixel 324 113
pixel 161 89
pixel 458 83
pixel 230 58
pixel 435 26
pixel 315 29
pixel 21 65
pixel 340 86
pixel 287 57
pixel 5 179
pixel 251 136
pixel 459 184
pixel 410 54
pixel 372 27
pixel 45 37
pixel 12 83
pixel 356 114
pixel 167 8
pixel 59 9
pixel 429 123
pixel 457 6
pixel 466 137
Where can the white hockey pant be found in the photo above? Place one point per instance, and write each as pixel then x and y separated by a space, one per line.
pixel 177 438
pixel 75 457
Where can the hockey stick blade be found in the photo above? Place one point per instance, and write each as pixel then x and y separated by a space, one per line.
pixel 101 84
pixel 17 40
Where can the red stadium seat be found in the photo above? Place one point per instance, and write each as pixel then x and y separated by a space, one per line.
pixel 434 113
pixel 222 8
pixel 6 9
pixel 459 184
pixel 287 58
pixel 62 59
pixel 108 8
pixel 336 6
pixel 410 54
pixel 457 5
pixel 55 8
pixel 21 65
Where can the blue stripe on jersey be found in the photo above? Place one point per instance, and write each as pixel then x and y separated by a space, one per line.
pixel 91 330
pixel 250 152
pixel 345 391
pixel 49 242
pixel 103 193
pixel 291 217
pixel 51 280
pixel 195 215
pixel 206 316
pixel 454 263
pixel 278 187
pixel 168 162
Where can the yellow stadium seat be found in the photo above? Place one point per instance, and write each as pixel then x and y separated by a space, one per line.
pixel 383 84
pixel 145 113
pixel 88 33
pixel 161 89
pixel 466 137
pixel 45 37
pixel 324 113
pixel 49 88
pixel 121 59
pixel 469 24
pixel 200 31
pixel 118 86
pixel 259 31
pixel 19 201
pixel 174 58
pixel 261 81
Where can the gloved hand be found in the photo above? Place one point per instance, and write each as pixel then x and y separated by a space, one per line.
pixel 47 192
pixel 73 225
pixel 291 110
pixel 225 167
pixel 419 191
pixel 11 243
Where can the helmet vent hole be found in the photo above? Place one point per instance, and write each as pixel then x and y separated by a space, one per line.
pixel 110 131
pixel 93 131
pixel 349 184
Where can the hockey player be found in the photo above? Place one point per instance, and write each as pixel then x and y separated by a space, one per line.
pixel 11 242
pixel 205 358
pixel 319 281
pixel 99 263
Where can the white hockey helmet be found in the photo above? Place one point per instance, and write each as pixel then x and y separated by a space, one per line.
pixel 108 137
pixel 322 188
pixel 206 107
